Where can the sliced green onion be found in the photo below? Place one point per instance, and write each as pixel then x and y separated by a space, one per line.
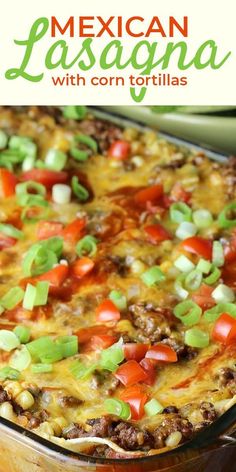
pixel 213 276
pixel 25 188
pixel 202 218
pixel 14 296
pixel 21 359
pixel 68 345
pixel 195 337
pixel 179 289
pixel 42 256
pixel 223 294
pixel 40 346
pixel 87 246
pixel 213 313
pixel 30 200
pixel 29 150
pixel 78 154
pixel 110 358
pixel 88 141
pixel 153 276
pixel 23 334
pixel 153 407
pixel 75 112
pixel 11 231
pixel 180 212
pixel 28 163
pixel 193 280
pixel 44 261
pixel 81 155
pixel 81 192
pixel 218 254
pixel 29 298
pixel 188 312
pixel 41 368
pixel 36 296
pixel 9 373
pixel 80 371
pixel 118 408
pixel 15 142
pixel 8 340
pixel 61 194
pixel 186 230
pixel 39 164
pixel 54 355
pixel 55 159
pixel 9 157
pixel 23 144
pixel 54 244
pixel 184 264
pixel 42 213
pixel 42 289
pixel 224 218
pixel 118 299
pixel 204 266
pixel 3 139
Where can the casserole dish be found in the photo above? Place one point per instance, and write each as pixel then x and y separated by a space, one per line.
pixel 198 124
pixel 37 452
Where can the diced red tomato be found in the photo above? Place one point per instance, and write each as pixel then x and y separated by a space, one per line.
pixel 6 241
pixel 130 373
pixel 74 230
pixel 178 194
pixel 224 330
pixel 149 194
pixel 136 397
pixel 85 334
pixel 203 297
pixel 162 352
pixel 82 267
pixel 120 150
pixel 99 342
pixel 8 182
pixel 55 276
pixel 14 219
pixel 230 249
pixel 107 311
pixel 229 274
pixel 47 229
pixel 135 351
pixel 157 233
pixel 197 245
pixel 45 177
pixel 149 366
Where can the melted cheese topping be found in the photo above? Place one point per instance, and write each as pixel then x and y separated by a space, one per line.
pixel 118 224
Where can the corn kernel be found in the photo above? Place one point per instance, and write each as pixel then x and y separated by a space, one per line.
pixel 6 411
pixel 137 267
pixel 165 266
pixel 61 421
pixel 46 428
pixel 137 161
pixel 115 163
pixel 25 399
pixel 56 428
pixel 123 326
pixel 13 388
pixel 173 439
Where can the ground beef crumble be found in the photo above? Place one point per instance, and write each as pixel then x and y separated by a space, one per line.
pixel 227 378
pixel 171 425
pixel 123 433
pixel 208 411
pixel 153 324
